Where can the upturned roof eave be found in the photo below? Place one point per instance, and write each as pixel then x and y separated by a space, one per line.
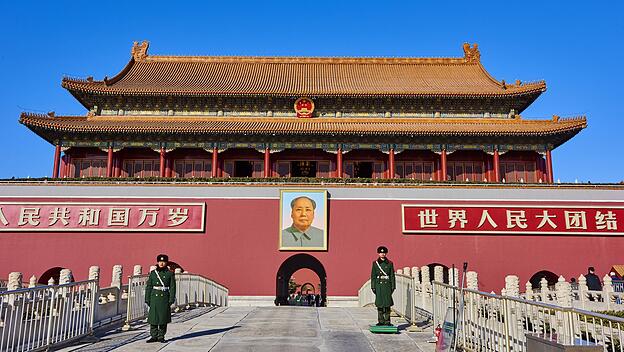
pixel 55 125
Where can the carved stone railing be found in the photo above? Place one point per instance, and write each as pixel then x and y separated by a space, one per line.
pixel 494 322
pixel 45 316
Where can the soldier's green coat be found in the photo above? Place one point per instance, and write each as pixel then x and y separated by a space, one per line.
pixel 383 287
pixel 160 302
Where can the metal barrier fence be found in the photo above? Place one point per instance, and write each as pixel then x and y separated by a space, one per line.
pixel 404 297
pixel 36 318
pixel 500 323
pixel 191 289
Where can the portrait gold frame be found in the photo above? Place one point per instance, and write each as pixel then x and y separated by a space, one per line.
pixel 325 219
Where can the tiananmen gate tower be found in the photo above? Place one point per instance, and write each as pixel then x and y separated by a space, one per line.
pixel 204 158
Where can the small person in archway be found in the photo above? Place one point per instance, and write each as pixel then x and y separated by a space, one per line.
pixel 383 284
pixel 160 293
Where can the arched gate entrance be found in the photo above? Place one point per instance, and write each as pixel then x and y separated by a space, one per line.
pixel 290 266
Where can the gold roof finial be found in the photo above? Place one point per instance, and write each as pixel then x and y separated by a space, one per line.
pixel 139 51
pixel 471 53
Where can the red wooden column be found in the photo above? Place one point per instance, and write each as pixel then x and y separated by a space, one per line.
pixel 549 169
pixel 391 163
pixel 215 162
pixel 496 166
pixel 63 166
pixel 57 161
pixel 117 163
pixel 542 168
pixel 443 165
pixel 109 162
pixel 438 175
pixel 168 166
pixel 163 161
pixel 68 166
pixel 339 163
pixel 267 163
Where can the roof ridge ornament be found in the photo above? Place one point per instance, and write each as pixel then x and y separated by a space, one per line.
pixel 471 53
pixel 139 51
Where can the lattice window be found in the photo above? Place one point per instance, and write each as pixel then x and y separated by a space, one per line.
pixel 192 168
pixel 465 171
pixel 140 168
pixel 518 171
pixel 415 170
pixel 83 167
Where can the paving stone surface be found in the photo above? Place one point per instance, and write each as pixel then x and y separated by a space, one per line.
pixel 270 329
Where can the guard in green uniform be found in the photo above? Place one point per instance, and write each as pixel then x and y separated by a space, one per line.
pixel 383 284
pixel 160 292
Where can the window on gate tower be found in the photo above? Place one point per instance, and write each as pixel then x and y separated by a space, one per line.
pixel 471 171
pixel 304 168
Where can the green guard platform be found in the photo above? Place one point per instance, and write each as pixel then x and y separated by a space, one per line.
pixel 383 329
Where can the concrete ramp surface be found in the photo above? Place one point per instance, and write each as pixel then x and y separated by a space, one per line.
pixel 270 329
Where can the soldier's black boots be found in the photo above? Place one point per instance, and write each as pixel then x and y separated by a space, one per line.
pixel 152 339
pixel 162 340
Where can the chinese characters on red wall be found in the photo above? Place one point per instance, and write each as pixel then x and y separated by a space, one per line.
pixel 94 216
pixel 513 219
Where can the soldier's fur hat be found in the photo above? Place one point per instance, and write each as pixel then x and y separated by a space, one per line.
pixel 162 258
pixel 382 249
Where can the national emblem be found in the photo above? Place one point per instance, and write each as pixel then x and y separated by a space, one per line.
pixel 304 107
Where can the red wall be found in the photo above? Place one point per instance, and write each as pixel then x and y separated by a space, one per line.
pixel 239 248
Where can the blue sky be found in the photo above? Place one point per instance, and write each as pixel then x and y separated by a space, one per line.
pixel 576 47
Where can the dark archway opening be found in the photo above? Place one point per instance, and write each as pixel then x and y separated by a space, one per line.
pixel 289 267
pixel 173 266
pixel 51 273
pixel 548 275
pixel 308 288
pixel 445 272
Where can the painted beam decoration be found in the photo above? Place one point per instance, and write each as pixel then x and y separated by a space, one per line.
pixel 485 218
pixel 102 217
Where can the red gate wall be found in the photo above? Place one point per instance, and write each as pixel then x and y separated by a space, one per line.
pixel 239 248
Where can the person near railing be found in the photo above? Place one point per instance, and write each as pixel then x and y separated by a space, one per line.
pixel 160 293
pixel 383 283
pixel 593 281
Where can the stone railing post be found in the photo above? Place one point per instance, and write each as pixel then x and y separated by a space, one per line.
pixel 94 272
pixel 512 286
pixel 65 277
pixel 32 282
pixel 407 271
pixel 424 275
pixel 415 271
pixel 528 291
pixel 425 287
pixel 544 290
pixel 178 271
pixel 137 270
pixel 564 292
pixel 399 271
pixel 416 274
pixel 564 299
pixel 51 282
pixel 117 276
pixel 582 290
pixel 607 289
pixel 15 281
pixel 454 277
pixel 472 280
pixel 438 273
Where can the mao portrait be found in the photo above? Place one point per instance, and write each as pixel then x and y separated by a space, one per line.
pixel 303 220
